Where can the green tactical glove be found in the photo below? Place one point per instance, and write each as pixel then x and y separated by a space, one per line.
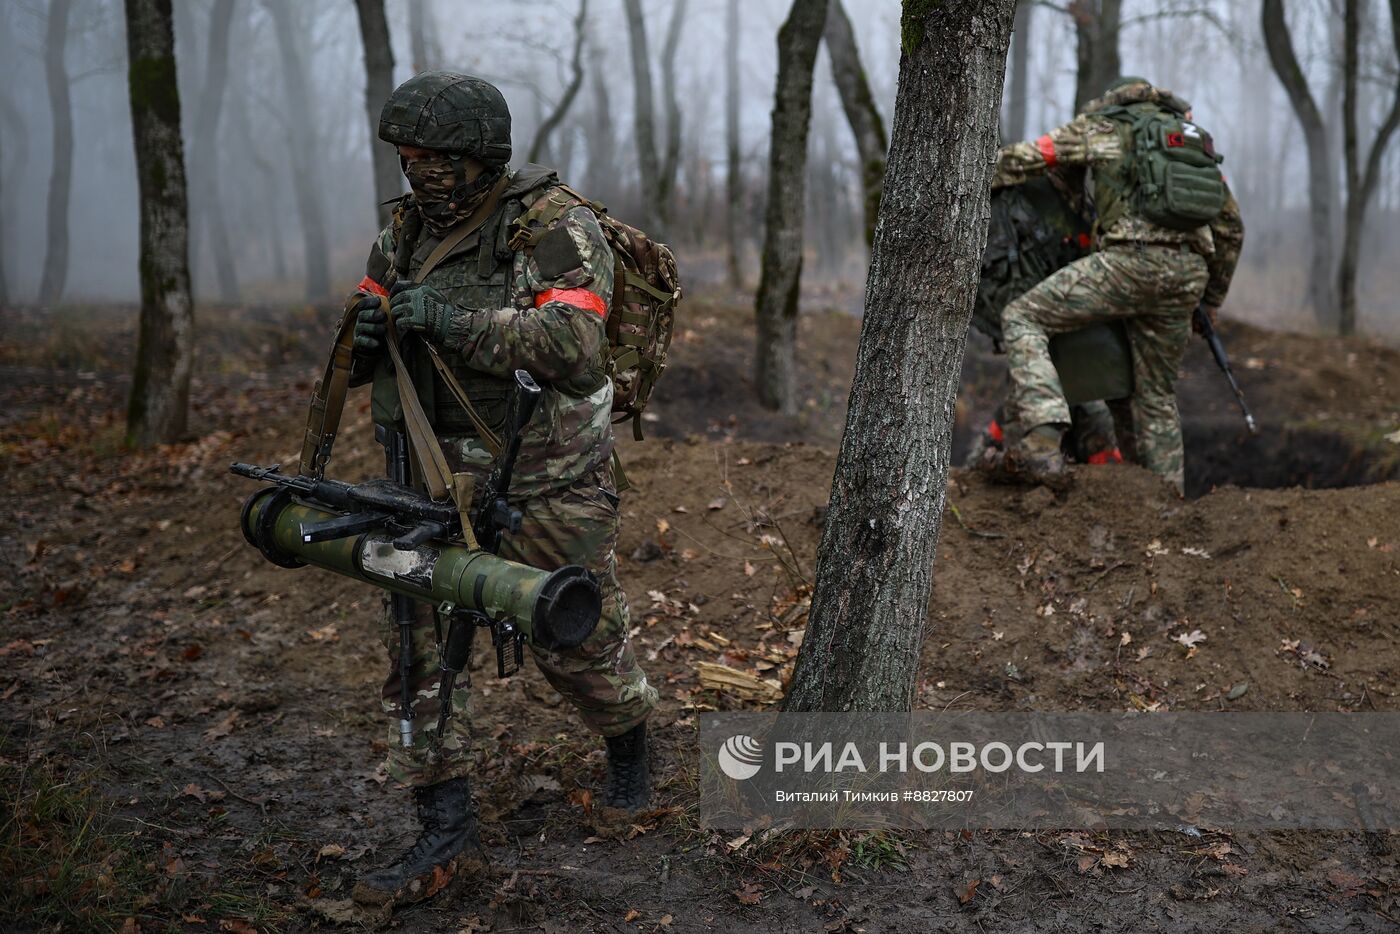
pixel 369 326
pixel 422 308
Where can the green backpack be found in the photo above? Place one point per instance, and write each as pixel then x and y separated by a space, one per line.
pixel 1173 169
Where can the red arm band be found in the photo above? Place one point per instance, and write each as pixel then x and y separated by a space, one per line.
pixel 1046 145
pixel 579 298
pixel 373 288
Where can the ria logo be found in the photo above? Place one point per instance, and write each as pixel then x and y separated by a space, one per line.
pixel 741 757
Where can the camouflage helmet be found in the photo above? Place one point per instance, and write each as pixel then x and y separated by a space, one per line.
pixel 450 112
pixel 1125 81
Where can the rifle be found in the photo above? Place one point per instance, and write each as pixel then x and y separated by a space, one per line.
pixel 1222 360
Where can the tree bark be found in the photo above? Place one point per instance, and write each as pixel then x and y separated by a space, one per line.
pixel 306 177
pixel 1019 72
pixel 561 110
pixel 734 181
pixel 671 159
pixel 861 110
pixel 1096 25
pixel 781 269
pixel 55 273
pixel 644 119
pixel 160 388
pixel 205 167
pixel 419 26
pixel 1279 43
pixel 379 84
pixel 601 136
pixel 12 140
pixel 875 563
pixel 1361 185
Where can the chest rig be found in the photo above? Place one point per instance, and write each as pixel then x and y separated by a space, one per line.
pixel 478 272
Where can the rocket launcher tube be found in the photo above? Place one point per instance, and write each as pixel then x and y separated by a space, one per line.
pixel 554 609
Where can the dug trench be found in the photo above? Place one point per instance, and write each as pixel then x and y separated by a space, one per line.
pixel 223 713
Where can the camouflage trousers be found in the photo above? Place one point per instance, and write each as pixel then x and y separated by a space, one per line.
pixel 1153 290
pixel 601 678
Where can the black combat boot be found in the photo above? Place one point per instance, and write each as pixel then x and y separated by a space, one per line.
pixel 629 779
pixel 447 846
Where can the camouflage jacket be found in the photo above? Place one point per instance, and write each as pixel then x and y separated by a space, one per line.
pixel 1092 140
pixel 543 312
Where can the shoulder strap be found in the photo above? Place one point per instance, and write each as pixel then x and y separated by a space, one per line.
pixel 463 230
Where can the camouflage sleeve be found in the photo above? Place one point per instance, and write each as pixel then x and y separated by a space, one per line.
pixel 1228 232
pixel 570 274
pixel 1084 141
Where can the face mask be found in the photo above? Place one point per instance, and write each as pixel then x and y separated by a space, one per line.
pixel 443 202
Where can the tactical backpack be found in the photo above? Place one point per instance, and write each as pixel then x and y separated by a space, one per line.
pixel 646 290
pixel 1173 169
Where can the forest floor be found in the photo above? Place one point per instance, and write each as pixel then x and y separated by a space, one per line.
pixel 191 737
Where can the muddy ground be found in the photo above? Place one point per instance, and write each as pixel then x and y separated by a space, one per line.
pixel 192 737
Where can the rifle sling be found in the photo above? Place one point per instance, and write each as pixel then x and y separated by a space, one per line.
pixel 328 401
pixel 328 397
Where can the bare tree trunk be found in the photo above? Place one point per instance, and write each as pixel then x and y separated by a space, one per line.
pixel 379 84
pixel 1096 25
pixel 160 387
pixel 55 273
pixel 648 165
pixel 780 274
pixel 205 169
pixel 1020 68
pixel 602 139
pixel 671 160
pixel 1360 187
pixel 1320 204
pixel 561 110
pixel 861 111
pixel 419 27
pixel 306 178
pixel 12 139
pixel 734 181
pixel 875 564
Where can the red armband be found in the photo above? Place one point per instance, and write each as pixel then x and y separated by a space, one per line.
pixel 1046 145
pixel 373 288
pixel 579 298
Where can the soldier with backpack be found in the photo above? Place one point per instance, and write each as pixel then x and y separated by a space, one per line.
pixel 489 270
pixel 1168 237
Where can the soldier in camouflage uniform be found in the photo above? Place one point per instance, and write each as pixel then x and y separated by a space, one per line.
pixel 1148 276
pixel 490 308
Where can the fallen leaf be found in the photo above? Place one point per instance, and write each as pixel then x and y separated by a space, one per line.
pixel 632 915
pixel 719 502
pixel 1155 548
pixel 1126 638
pixel 969 893
pixel 194 791
pixel 749 569
pixel 223 728
pixel 1190 640
pixel 662 527
pixel 330 851
pixel 1116 859
pixel 738 842
pixel 237 926
pixel 326 633
pixel 1237 691
pixel 750 894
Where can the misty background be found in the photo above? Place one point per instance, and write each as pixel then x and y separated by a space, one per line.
pixel 283 146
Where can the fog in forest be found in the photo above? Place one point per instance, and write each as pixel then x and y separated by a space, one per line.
pixel 282 160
